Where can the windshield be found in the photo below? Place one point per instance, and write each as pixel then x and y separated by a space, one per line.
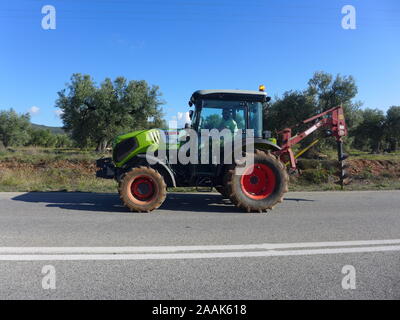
pixel 221 114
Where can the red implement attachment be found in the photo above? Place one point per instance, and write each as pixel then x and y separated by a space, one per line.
pixel 332 120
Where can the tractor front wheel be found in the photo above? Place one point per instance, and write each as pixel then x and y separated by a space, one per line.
pixel 142 189
pixel 258 186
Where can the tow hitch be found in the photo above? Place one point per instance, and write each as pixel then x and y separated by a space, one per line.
pixel 106 168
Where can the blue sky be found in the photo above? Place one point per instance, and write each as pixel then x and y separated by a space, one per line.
pixel 185 45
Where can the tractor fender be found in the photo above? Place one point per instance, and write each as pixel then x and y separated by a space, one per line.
pixel 267 142
pixel 158 165
pixel 257 142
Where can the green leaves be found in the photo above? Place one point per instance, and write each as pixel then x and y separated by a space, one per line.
pixel 324 91
pixel 369 129
pixel 393 127
pixel 377 131
pixel 45 138
pixel 94 115
pixel 14 128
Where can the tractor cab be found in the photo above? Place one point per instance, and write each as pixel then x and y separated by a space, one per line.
pixel 236 110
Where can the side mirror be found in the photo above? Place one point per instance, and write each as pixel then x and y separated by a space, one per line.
pixel 190 114
pixel 267 99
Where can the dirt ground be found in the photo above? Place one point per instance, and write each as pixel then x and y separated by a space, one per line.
pixel 375 167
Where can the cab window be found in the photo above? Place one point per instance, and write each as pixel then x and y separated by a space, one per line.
pixel 217 114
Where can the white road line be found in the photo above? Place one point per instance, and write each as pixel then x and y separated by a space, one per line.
pixel 208 255
pixel 161 249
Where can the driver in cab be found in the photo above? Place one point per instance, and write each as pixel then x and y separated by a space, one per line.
pixel 228 122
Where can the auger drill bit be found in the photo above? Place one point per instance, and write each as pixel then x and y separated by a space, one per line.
pixel 343 172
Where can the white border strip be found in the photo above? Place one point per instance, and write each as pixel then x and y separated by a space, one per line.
pixel 161 249
pixel 208 255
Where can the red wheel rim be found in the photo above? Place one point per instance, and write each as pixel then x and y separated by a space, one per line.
pixel 258 181
pixel 143 188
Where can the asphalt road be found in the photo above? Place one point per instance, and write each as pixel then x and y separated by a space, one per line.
pixel 198 246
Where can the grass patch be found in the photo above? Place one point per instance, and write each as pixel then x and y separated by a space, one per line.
pixel 36 155
pixel 49 179
pixel 356 154
pixel 315 176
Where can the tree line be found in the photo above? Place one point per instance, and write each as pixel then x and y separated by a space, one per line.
pixel 370 130
pixel 17 130
pixel 94 114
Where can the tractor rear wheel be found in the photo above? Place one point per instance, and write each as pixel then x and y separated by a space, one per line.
pixel 259 186
pixel 142 189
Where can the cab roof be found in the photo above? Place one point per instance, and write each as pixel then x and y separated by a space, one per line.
pixel 245 95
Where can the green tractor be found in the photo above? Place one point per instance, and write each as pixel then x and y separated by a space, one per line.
pixel 260 185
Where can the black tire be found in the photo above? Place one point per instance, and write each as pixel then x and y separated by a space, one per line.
pixel 142 189
pixel 267 169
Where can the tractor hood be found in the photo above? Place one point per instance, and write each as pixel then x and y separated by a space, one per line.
pixel 127 146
